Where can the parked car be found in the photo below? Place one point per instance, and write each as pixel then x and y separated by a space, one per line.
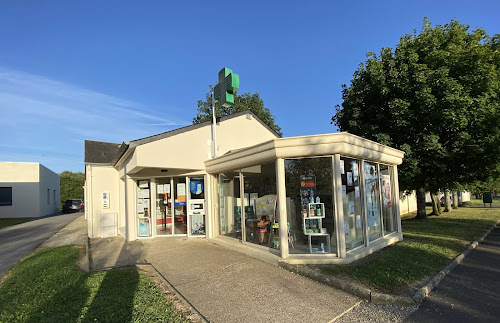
pixel 442 200
pixel 73 206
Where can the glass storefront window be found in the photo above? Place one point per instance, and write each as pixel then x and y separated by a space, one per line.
pixel 196 207
pixel 143 208
pixel 372 198
pixel 260 205
pixel 310 205
pixel 163 207
pixel 352 202
pixel 387 199
pixel 180 209
pixel 229 205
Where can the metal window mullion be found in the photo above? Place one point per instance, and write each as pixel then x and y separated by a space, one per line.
pixel 338 207
pixel 381 206
pixel 395 190
pixel 364 212
pixel 152 191
pixel 188 217
pixel 242 201
pixel 172 206
pixel 283 216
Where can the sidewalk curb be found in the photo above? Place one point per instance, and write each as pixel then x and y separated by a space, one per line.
pixel 381 298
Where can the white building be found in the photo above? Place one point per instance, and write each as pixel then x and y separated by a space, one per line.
pixel 28 190
pixel 328 198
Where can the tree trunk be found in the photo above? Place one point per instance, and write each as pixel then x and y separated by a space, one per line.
pixel 455 200
pixel 436 207
pixel 447 202
pixel 421 213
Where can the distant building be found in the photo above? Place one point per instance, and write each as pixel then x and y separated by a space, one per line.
pixel 28 190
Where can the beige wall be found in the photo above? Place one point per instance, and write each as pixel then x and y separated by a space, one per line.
pixel 189 150
pixel 49 181
pixel 100 179
pixel 407 203
pixel 29 182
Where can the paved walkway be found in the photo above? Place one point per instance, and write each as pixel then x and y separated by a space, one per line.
pixel 225 285
pixel 471 291
pixel 18 240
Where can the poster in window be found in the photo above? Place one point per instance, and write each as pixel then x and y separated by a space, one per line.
pixel 342 167
pixel 144 229
pixel 386 190
pixel 146 203
pixel 140 208
pixel 159 189
pixel 346 228
pixel 358 222
pixel 344 191
pixel 196 187
pixel 143 184
pixel 351 207
pixel 181 192
pixel 166 188
pixel 355 169
pixel 356 192
pixel 349 179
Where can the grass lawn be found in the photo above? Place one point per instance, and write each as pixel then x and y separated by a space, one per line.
pixel 480 202
pixel 428 246
pixel 48 287
pixel 12 221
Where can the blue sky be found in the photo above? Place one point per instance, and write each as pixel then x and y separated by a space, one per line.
pixel 122 70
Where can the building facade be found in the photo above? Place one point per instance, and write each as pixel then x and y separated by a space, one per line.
pixel 323 198
pixel 28 190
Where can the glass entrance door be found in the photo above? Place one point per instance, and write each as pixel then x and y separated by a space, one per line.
pixel 164 223
pixel 180 203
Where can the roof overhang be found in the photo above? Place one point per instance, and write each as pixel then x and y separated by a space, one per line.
pixel 306 146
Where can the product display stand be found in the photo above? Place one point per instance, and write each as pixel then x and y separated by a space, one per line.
pixel 313 225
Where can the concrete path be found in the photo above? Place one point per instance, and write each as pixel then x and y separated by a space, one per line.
pixel 225 285
pixel 470 292
pixel 18 240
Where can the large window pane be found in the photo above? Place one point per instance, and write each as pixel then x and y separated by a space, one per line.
pixel 372 198
pixel 180 206
pixel 387 202
pixel 261 219
pixel 310 204
pixel 196 207
pixel 163 207
pixel 229 205
pixel 352 203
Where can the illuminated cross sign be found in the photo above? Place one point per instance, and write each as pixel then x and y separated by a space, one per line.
pixel 228 84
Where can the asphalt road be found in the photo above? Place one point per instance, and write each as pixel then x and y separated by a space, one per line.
pixel 470 292
pixel 18 240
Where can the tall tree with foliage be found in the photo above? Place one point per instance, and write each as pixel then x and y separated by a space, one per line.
pixel 246 101
pixel 71 185
pixel 436 97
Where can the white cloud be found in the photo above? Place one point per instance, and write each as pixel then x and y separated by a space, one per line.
pixel 47 117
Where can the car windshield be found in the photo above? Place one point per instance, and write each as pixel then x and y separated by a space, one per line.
pixel 74 202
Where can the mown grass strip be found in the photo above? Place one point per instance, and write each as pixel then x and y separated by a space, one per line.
pixel 428 246
pixel 47 287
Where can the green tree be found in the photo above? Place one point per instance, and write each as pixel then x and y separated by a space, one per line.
pixel 71 185
pixel 246 101
pixel 436 97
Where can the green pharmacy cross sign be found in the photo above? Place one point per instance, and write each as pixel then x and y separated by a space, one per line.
pixel 224 91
